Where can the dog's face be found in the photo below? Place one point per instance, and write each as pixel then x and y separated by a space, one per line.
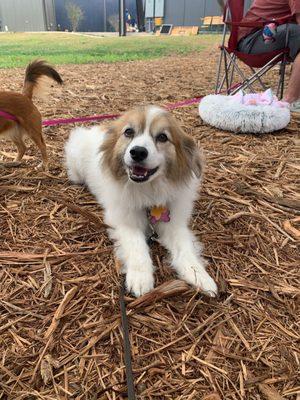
pixel 146 143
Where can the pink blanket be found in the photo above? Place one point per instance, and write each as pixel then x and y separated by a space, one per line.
pixel 266 98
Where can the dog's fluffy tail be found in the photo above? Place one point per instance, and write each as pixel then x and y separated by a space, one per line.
pixel 38 76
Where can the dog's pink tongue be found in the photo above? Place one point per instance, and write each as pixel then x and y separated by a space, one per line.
pixel 139 171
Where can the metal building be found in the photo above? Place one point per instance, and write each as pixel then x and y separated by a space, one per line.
pixel 189 12
pixel 96 14
pixel 184 12
pixel 27 15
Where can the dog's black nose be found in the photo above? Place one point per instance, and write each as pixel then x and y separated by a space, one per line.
pixel 139 153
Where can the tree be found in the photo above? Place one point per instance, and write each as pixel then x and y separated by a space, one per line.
pixel 75 15
pixel 113 23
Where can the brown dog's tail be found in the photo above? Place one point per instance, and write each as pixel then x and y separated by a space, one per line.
pixel 37 77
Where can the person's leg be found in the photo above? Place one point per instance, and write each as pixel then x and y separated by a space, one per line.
pixel 293 90
pixel 255 44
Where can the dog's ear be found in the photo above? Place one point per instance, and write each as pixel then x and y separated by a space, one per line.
pixel 112 152
pixel 189 156
pixel 193 155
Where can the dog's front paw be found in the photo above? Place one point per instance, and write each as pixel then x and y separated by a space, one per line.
pixel 42 166
pixel 139 282
pixel 197 276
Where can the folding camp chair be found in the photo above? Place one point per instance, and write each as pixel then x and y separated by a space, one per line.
pixel 259 64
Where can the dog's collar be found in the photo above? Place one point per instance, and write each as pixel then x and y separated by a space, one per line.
pixel 7 115
pixel 156 214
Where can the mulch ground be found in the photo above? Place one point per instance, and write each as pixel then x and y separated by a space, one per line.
pixel 60 335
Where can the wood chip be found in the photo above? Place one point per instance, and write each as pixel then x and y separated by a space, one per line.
pixel 60 310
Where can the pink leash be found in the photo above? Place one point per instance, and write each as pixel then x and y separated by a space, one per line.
pixel 61 121
pixel 101 117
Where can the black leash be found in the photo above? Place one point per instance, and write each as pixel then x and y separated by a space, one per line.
pixel 126 343
pixel 125 326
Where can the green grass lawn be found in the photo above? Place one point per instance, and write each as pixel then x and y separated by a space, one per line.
pixel 17 49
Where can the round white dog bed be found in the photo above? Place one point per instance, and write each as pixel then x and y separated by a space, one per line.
pixel 256 113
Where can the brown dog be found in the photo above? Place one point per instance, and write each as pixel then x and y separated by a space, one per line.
pixel 29 120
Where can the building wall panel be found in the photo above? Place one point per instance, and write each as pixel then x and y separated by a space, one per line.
pixel 22 15
pixel 50 15
pixel 189 12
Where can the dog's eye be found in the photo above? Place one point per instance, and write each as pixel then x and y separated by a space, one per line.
pixel 162 137
pixel 129 132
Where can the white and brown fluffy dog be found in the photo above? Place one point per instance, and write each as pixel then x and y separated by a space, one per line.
pixel 143 160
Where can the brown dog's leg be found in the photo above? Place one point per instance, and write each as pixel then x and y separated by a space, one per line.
pixel 18 141
pixel 33 129
pixel 39 141
pixel 14 133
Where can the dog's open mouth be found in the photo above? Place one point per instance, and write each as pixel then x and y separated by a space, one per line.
pixel 141 174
